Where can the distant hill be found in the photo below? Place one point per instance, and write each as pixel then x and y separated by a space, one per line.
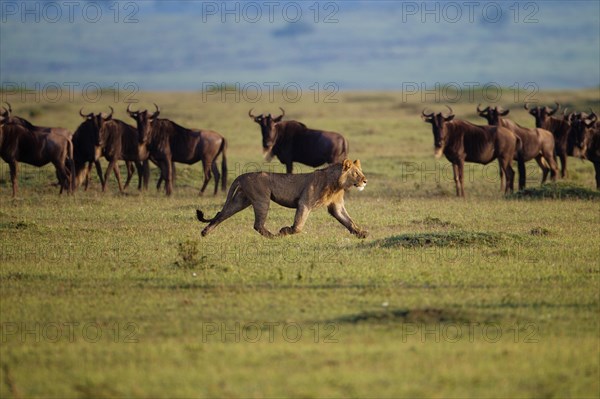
pixel 183 45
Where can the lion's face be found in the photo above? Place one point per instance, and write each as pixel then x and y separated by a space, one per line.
pixel 352 175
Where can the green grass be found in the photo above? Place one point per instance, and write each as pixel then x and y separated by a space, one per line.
pixel 117 295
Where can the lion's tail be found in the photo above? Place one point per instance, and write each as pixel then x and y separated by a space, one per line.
pixel 232 190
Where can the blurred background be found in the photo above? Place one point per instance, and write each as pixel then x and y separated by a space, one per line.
pixel 185 45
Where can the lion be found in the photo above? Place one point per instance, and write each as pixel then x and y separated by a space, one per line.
pixel 303 192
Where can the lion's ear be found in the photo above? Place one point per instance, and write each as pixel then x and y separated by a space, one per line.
pixel 346 165
pixel 357 163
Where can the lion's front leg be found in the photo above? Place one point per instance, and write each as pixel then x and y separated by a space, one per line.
pixel 339 212
pixel 301 215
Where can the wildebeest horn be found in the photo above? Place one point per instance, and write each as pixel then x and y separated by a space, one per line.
pixel 480 110
pixel 526 107
pixel 129 111
pixel 112 111
pixel 81 113
pixel 9 109
pixel 155 114
pixel 424 115
pixel 250 113
pixel 450 109
pixel 553 111
pixel 282 112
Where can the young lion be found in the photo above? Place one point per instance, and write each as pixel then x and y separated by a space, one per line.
pixel 305 192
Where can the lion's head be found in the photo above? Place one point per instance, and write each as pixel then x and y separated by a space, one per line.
pixel 352 175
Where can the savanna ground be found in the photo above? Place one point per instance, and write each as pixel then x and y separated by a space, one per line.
pixel 104 294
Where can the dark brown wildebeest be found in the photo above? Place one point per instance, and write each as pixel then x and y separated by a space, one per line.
pixel 87 146
pixel 35 147
pixel 537 143
pixel 586 134
pixel 563 143
pixel 168 142
pixel 121 142
pixel 292 141
pixel 461 141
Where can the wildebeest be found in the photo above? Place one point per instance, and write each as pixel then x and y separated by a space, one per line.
pixel 121 142
pixel 461 141
pixel 168 142
pixel 586 133
pixel 563 143
pixel 37 147
pixel 87 146
pixel 292 141
pixel 537 143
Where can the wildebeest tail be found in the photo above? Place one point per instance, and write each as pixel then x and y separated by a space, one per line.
pixel 71 167
pixel 223 165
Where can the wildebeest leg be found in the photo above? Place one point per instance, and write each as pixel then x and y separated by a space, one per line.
pixel 88 172
pixel 61 173
pixel 14 171
pixel 502 180
pixel 458 171
pixel 563 164
pixel 522 172
pixel 118 175
pixel 540 161
pixel 597 170
pixel 215 170
pixel 289 167
pixel 238 202
pixel 339 212
pixel 145 175
pixel 99 171
pixel 130 172
pixel 206 171
pixel 505 164
pixel 548 155
pixel 112 166
pixel 301 215
pixel 168 165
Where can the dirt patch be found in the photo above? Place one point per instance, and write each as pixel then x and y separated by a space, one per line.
pixel 557 191
pixel 446 239
pixel 425 315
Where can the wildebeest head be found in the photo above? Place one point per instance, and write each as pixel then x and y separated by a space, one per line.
pixel 541 114
pixel 267 127
pixel 438 123
pixel 580 124
pixel 96 122
pixel 144 121
pixel 492 115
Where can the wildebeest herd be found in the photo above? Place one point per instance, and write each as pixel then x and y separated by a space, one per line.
pixel 165 143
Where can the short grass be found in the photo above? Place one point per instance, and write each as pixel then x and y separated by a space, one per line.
pixel 117 295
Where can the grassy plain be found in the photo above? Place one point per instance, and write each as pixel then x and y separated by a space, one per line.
pixel 117 295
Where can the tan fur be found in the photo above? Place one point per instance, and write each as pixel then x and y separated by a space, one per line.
pixel 304 192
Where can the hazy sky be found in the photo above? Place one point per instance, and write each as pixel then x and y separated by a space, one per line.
pixel 354 45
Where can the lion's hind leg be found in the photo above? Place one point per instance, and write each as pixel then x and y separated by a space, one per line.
pixel 233 205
